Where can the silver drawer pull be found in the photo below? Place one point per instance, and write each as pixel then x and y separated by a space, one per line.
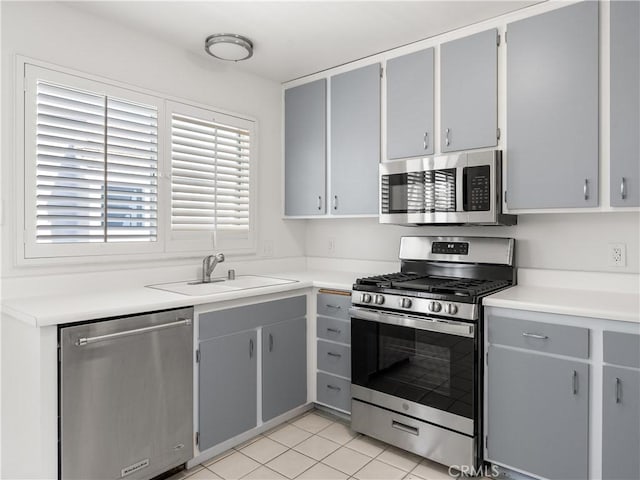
pixel 251 348
pixel 585 189
pixel 319 202
pixel 80 342
pixel 330 305
pixel 623 188
pixel 334 388
pixel 332 354
pixel 425 140
pixel 446 137
pixel 405 428
pixel 618 391
pixel 575 382
pixel 534 335
pixel 333 330
pixel 335 202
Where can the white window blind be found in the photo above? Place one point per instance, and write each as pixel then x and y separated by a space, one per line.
pixel 210 175
pixel 96 167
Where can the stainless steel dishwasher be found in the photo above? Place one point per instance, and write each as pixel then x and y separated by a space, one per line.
pixel 126 396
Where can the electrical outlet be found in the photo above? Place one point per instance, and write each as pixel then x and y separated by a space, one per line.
pixel 267 248
pixel 331 246
pixel 617 255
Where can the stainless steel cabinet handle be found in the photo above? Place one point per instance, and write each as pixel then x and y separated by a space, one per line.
pixel 575 382
pixel 425 140
pixel 332 354
pixel 251 348
pixel 333 330
pixel 333 387
pixel 618 391
pixel 446 137
pixel 585 189
pixel 405 428
pixel 623 188
pixel 331 305
pixel 319 202
pixel 270 342
pixel 114 336
pixel 335 202
pixel 534 335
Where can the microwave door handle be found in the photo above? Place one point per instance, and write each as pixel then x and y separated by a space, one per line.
pixel 460 203
pixel 448 327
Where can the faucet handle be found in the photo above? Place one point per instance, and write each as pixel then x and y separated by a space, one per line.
pixel 231 274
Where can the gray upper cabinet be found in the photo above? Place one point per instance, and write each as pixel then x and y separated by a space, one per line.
pixel 469 92
pixel 621 423
pixel 538 413
pixel 284 367
pixel 410 105
pixel 625 103
pixel 305 149
pixel 355 141
pixel 227 387
pixel 552 109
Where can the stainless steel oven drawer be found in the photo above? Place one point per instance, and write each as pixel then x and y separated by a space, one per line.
pixel 622 349
pixel 334 358
pixel 538 336
pixel 425 439
pixel 334 329
pixel 334 305
pixel 333 391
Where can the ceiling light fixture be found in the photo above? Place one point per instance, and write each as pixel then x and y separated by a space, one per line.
pixel 229 46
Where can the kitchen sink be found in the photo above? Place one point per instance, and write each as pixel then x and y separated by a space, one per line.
pixel 221 285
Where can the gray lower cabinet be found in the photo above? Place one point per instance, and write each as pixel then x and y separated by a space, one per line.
pixel 552 109
pixel 469 92
pixel 227 387
pixel 228 352
pixel 410 105
pixel 620 423
pixel 355 141
pixel 333 359
pixel 538 413
pixel 305 138
pixel 284 367
pixel 625 103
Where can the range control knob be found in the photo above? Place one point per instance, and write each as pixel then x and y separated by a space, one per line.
pixel 405 302
pixel 379 299
pixel 365 298
pixel 435 306
pixel 451 309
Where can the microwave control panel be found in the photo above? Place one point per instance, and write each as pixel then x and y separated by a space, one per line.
pixel 477 188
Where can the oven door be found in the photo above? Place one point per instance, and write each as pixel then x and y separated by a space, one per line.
pixel 419 366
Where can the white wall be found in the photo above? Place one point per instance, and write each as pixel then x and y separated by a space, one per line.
pixel 549 241
pixel 58 34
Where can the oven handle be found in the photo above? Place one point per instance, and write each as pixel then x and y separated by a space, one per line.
pixel 420 323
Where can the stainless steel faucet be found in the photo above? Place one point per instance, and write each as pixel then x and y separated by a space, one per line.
pixel 208 264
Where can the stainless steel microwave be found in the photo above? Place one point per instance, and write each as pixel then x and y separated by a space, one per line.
pixel 457 189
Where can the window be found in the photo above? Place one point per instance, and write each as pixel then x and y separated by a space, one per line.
pixel 104 174
pixel 210 177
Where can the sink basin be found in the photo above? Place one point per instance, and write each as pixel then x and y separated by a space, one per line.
pixel 221 285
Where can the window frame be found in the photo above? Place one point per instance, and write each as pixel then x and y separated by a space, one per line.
pixel 177 241
pixel 28 252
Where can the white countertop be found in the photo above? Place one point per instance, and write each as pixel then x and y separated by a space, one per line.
pixel 605 304
pixel 41 311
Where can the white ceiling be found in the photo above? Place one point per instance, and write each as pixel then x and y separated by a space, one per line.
pixel 297 38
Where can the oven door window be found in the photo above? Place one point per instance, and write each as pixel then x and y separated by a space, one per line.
pixel 419 192
pixel 430 368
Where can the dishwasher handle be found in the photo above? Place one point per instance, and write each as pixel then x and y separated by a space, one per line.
pixel 82 341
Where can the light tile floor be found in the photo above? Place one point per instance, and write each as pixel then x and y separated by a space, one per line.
pixel 315 446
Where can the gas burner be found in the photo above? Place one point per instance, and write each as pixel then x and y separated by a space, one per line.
pixel 388 279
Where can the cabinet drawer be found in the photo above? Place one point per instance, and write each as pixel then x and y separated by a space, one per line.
pixel 334 329
pixel 334 391
pixel 622 349
pixel 334 305
pixel 538 336
pixel 334 358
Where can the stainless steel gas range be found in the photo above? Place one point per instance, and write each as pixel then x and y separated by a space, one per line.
pixel 416 354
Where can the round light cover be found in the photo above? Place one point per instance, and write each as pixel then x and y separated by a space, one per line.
pixel 229 46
